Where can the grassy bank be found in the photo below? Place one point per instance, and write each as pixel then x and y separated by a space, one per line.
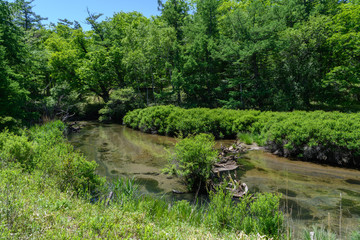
pixel 49 191
pixel 325 137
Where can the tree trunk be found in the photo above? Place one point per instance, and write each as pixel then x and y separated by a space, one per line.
pixel 152 83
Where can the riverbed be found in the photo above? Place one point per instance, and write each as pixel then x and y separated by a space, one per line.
pixel 312 194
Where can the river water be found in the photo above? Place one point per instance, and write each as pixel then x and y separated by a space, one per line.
pixel 312 194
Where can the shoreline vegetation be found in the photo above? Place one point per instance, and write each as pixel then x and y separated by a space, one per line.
pixel 322 137
pixel 48 190
pixel 268 55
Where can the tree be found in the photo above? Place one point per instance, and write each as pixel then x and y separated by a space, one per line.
pixel 26 17
pixel 249 39
pixel 97 74
pixel 12 96
pixel 78 58
pixel 343 79
pixel 201 70
pixel 301 65
pixel 175 13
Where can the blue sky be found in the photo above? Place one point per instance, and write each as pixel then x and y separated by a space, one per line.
pixel 76 9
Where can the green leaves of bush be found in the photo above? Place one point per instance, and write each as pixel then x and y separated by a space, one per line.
pixel 44 148
pixel 193 158
pixel 330 137
pixel 16 149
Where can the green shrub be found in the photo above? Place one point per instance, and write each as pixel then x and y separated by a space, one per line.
pixel 44 148
pixel 192 160
pixel 328 137
pixel 17 149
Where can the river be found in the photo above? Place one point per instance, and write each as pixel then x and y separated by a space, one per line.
pixel 313 195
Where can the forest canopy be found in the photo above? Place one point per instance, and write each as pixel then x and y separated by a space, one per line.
pixel 255 54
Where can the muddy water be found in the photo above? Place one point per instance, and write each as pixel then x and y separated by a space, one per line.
pixel 313 194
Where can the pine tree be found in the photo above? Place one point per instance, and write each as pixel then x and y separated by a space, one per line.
pixel 26 17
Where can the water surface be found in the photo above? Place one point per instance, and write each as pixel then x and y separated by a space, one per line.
pixel 312 194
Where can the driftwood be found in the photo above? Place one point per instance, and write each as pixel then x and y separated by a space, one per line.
pixel 236 188
pixel 224 167
pixel 227 163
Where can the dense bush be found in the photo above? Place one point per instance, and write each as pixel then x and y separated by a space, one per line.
pixel 44 148
pixel 328 137
pixel 193 159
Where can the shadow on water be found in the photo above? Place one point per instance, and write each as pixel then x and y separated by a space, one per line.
pixel 311 192
pixel 151 185
pixel 353 181
pixel 287 192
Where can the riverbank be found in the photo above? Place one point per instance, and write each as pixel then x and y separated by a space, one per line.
pixel 48 190
pixel 310 192
pixel 323 137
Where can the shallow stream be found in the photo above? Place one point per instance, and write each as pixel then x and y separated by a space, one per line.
pixel 312 194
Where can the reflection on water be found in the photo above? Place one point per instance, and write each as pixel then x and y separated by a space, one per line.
pixel 311 192
pixel 121 151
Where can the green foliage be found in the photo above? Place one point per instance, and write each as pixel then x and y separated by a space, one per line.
pixel 7 122
pixel 174 12
pixel 13 96
pixel 329 137
pixel 17 149
pixel 121 101
pixel 34 202
pixel 221 209
pixel 245 138
pixel 44 148
pixel 355 235
pixel 123 189
pixel 192 160
pixel 206 53
pixel 45 187
pixel 344 42
pixel 250 214
pixel 62 102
